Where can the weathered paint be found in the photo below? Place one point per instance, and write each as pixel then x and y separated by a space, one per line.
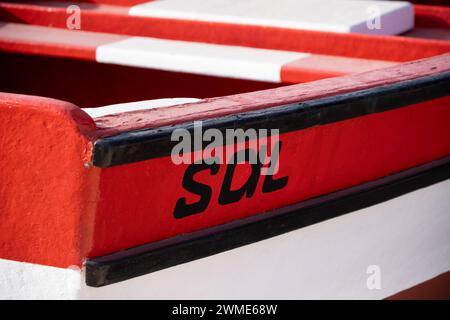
pixel 407 237
pixel 404 138
pixel 47 143
pixel 223 106
pixel 317 161
pixel 47 195
pixel 328 260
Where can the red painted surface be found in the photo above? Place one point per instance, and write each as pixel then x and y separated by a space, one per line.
pixel 430 33
pixel 216 107
pixel 318 67
pixel 103 84
pixel 56 212
pixel 20 38
pixel 318 160
pixel 432 16
pixel 393 48
pixel 437 288
pixel 47 197
pixel 137 201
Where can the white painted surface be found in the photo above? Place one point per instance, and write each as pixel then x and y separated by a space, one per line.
pixel 134 106
pixel 345 16
pixel 20 280
pixel 198 58
pixel 407 237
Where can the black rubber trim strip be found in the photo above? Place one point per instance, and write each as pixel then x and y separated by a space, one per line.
pixel 149 258
pixel 134 146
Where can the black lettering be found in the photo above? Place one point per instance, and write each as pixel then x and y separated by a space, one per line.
pixel 271 184
pixel 248 189
pixel 182 209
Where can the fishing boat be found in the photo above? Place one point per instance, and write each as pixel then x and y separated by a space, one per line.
pixel 119 179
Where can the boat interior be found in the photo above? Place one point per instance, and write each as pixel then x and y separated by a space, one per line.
pixel 33 64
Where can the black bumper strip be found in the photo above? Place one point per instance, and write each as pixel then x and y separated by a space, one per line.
pixel 149 258
pixel 147 144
